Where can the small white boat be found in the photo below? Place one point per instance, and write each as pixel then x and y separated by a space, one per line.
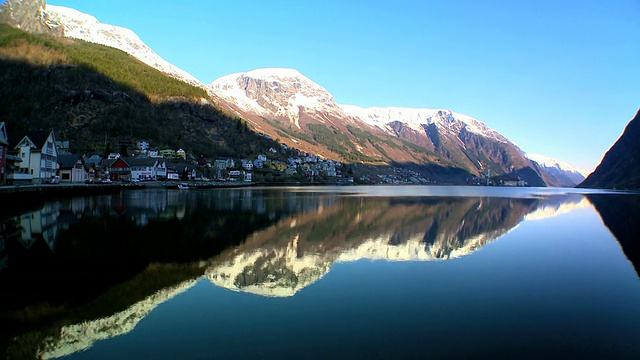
pixel 183 186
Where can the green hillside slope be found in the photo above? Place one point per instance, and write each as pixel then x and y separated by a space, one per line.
pixel 96 96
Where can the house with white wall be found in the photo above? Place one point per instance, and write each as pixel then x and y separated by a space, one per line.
pixel 38 154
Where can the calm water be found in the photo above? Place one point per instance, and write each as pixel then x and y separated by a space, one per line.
pixel 347 272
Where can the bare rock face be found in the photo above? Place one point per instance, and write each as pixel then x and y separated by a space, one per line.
pixel 29 15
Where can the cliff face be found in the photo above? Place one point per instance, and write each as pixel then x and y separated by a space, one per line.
pixel 620 167
pixel 29 15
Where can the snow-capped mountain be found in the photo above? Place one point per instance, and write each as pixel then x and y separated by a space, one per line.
pixel 285 104
pixel 279 93
pixel 78 25
pixel 288 106
pixel 566 174
pixel 560 165
pixel 417 119
pixel 39 17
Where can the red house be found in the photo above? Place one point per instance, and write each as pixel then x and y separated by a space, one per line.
pixel 118 169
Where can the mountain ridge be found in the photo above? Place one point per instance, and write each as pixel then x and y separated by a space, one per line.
pixel 620 166
pixel 564 174
pixel 286 104
pixel 318 124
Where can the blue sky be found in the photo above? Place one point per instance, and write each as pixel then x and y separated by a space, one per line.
pixel 559 78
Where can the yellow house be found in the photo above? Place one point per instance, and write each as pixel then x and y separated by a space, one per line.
pixel 280 166
pixel 168 153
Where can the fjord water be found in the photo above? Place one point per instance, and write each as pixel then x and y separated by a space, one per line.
pixel 325 272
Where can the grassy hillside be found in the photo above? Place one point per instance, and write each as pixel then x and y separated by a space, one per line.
pixel 96 96
pixel 119 66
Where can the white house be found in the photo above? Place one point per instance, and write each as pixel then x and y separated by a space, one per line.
pixel 143 168
pixel 143 146
pixel 38 154
pixel 72 168
pixel 247 164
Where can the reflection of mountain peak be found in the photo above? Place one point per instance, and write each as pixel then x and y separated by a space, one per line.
pixel 551 210
pixel 277 273
pixel 390 230
pixel 77 337
pixel 270 272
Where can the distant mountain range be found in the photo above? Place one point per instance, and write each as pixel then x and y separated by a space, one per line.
pixel 444 145
pixel 287 105
pixel 561 172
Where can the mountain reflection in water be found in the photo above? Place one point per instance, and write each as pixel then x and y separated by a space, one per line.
pixel 144 247
pixel 299 250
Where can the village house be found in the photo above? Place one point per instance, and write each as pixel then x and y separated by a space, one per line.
pixel 92 166
pixel 291 170
pixel 138 168
pixel 172 172
pixel 38 155
pixel 184 171
pixel 117 169
pixel 168 154
pixel 143 146
pixel 247 164
pixel 259 164
pixel 143 168
pixel 72 168
pixel 161 169
pixel 63 147
pixel 181 154
pixel 278 165
pixel 4 146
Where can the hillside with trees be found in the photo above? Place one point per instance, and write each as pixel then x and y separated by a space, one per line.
pixel 100 97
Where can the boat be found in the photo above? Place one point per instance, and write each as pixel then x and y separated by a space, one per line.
pixel 183 186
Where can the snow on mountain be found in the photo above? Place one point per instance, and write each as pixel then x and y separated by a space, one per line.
pixel 81 336
pixel 276 96
pixel 282 92
pixel 550 163
pixel 415 118
pixel 278 92
pixel 552 210
pixel 286 271
pixel 78 25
